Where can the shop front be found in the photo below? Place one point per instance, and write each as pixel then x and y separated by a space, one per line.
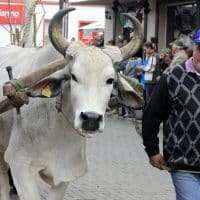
pixel 176 19
pixel 115 25
pixel 165 20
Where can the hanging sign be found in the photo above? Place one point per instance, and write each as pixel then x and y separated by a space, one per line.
pixel 11 14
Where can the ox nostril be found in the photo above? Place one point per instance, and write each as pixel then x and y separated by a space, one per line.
pixel 91 120
pixel 84 116
pixel 100 118
pixel 91 116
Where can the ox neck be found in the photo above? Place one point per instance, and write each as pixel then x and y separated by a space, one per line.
pixel 63 102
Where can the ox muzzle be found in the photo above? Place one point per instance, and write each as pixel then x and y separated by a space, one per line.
pixel 91 121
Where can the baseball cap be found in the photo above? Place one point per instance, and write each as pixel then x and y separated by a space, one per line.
pixel 196 38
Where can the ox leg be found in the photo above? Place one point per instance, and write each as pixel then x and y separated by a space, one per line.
pixel 4 180
pixel 25 182
pixel 58 192
pixel 4 186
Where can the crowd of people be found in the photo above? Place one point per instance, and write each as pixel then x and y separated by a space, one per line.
pixel 149 65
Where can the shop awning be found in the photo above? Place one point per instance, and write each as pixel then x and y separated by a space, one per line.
pixel 94 25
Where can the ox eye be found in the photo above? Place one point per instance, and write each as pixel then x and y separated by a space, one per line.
pixel 110 81
pixel 74 78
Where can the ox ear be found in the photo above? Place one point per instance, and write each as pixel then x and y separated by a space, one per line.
pixel 114 53
pixel 48 87
pixel 130 92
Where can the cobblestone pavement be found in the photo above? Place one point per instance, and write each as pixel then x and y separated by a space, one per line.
pixel 119 169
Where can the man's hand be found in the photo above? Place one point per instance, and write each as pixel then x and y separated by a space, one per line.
pixel 157 161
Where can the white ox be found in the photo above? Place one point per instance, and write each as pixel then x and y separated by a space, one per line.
pixel 42 143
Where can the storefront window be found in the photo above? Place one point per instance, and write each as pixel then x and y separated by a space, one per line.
pixel 181 20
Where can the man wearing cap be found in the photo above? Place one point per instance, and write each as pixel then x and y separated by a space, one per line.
pixel 178 52
pixel 176 102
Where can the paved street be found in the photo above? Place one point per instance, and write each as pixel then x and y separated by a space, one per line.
pixel 119 169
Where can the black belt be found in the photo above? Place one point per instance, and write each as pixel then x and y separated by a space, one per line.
pixel 172 167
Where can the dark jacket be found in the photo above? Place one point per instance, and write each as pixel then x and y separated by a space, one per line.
pixel 176 102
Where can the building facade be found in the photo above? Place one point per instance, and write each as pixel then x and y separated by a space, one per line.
pixel 176 18
pixel 12 18
pixel 163 19
pixel 82 16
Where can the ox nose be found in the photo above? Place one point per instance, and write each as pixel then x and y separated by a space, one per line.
pixel 90 121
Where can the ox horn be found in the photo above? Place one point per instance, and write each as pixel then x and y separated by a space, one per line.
pixel 55 31
pixel 133 46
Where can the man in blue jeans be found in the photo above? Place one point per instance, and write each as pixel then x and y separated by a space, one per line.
pixel 149 68
pixel 146 67
pixel 176 102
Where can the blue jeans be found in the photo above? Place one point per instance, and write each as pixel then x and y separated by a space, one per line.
pixel 187 185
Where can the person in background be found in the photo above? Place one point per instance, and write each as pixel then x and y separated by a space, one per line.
pixel 189 52
pixel 144 69
pixel 178 53
pixel 119 41
pixel 148 68
pixel 131 67
pixel 165 59
pixel 154 41
pixel 176 102
pixel 73 39
pixel 99 40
